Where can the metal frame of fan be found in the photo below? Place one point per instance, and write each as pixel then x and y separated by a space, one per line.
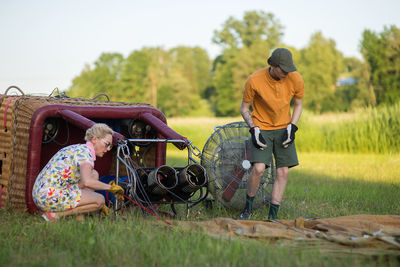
pixel 226 156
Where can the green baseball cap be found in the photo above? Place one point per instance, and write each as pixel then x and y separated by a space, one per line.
pixel 282 57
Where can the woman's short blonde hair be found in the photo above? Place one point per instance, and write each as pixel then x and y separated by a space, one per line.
pixel 100 130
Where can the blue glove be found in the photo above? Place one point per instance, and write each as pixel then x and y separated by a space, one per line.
pixel 257 138
pixel 288 136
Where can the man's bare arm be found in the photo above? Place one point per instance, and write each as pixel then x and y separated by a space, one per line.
pixel 246 114
pixel 297 109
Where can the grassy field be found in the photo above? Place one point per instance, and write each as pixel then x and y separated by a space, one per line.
pixel 342 183
pixel 131 240
pixel 326 184
pixel 331 185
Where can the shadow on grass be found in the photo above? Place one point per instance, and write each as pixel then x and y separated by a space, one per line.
pixel 309 194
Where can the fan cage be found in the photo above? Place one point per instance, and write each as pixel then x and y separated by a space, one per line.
pixel 226 156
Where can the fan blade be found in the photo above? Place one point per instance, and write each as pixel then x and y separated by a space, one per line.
pixel 236 178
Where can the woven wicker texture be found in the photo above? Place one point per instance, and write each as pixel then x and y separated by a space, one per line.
pixel 7 138
pixel 15 120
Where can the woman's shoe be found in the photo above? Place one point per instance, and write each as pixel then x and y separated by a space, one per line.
pixel 50 216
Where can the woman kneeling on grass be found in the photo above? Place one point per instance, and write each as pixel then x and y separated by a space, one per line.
pixel 66 184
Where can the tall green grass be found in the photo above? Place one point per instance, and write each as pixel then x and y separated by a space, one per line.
pixel 368 130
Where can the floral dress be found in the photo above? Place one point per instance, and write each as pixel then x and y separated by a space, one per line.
pixel 56 187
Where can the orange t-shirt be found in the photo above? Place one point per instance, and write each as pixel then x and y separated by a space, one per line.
pixel 271 98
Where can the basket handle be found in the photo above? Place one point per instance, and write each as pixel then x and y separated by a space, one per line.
pixel 102 94
pixel 13 86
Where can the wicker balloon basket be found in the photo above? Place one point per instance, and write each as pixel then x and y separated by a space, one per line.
pixel 17 114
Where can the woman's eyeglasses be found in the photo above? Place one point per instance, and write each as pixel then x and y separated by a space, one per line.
pixel 107 144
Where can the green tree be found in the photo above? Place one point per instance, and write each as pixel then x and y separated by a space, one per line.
pixel 82 84
pixel 103 78
pixel 320 64
pixel 134 77
pixel 169 80
pixel 246 44
pixel 176 97
pixel 255 26
pixel 144 72
pixel 359 94
pixel 224 102
pixel 195 65
pixel 382 53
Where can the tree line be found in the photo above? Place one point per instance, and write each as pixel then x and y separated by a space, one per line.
pixel 185 81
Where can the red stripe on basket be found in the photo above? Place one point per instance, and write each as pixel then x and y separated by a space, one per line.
pixel 5 112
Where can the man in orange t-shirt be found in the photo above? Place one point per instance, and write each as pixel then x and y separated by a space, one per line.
pixel 269 91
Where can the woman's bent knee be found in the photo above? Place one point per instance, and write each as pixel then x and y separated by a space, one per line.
pixel 89 197
pixel 100 201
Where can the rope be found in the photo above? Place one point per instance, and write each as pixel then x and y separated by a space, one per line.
pixel 55 89
pixel 102 94
pixel 15 87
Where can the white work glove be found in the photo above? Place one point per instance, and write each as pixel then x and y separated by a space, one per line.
pixel 288 136
pixel 257 138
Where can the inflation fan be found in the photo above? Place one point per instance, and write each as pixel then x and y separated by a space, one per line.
pixel 226 156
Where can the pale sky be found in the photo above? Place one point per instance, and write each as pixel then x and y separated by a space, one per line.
pixel 46 43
